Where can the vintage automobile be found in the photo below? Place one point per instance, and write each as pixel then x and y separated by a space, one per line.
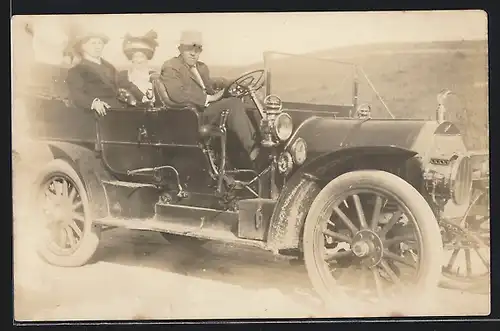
pixel 359 199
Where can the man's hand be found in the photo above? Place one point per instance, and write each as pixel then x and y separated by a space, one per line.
pixel 99 107
pixel 220 83
pixel 215 97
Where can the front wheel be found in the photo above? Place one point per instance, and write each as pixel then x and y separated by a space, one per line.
pixel 370 239
pixel 68 237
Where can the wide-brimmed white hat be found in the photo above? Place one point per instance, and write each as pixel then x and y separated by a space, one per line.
pixel 80 36
pixel 191 38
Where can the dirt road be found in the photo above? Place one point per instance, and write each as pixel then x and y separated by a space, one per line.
pixel 140 275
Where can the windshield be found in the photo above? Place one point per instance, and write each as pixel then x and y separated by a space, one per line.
pixel 301 78
pixel 321 81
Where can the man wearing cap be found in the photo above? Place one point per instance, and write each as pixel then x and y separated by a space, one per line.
pixel 92 83
pixel 188 80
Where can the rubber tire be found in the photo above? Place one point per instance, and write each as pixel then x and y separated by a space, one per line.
pixel 479 285
pixel 430 273
pixel 91 233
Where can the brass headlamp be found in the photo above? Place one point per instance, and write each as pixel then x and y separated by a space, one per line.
pixel 276 126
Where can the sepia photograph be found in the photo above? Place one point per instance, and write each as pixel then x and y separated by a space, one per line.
pixel 189 166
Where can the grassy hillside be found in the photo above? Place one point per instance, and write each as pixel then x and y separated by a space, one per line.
pixel 408 77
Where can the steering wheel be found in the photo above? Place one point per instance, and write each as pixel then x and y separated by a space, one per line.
pixel 242 86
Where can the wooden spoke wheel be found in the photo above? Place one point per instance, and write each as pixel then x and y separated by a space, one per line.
pixel 467 248
pixel 68 237
pixel 372 238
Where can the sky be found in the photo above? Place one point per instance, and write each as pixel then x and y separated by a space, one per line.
pixel 241 38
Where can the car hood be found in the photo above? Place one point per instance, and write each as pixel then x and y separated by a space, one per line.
pixel 328 134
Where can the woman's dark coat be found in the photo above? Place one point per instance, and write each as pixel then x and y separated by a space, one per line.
pixel 88 80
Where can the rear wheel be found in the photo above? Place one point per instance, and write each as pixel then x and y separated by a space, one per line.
pixel 67 236
pixel 372 240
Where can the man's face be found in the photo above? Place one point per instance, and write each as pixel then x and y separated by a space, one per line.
pixel 93 47
pixel 190 54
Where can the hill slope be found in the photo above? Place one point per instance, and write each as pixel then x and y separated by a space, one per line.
pixel 408 77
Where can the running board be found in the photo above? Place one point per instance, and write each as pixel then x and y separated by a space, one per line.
pixel 153 224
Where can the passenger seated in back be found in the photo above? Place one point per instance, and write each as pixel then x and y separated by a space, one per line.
pixel 93 81
pixel 139 51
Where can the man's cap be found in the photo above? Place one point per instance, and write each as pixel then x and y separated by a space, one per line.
pixel 191 38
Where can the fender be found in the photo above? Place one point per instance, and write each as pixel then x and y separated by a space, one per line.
pixel 28 154
pixel 291 209
pixel 90 169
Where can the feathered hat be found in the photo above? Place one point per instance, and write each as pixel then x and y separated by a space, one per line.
pixel 146 44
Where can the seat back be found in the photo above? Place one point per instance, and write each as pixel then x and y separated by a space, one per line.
pixel 161 94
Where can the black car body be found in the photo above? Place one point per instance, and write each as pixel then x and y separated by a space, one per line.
pixel 157 168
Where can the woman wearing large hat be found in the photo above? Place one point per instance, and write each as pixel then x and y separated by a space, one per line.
pixel 139 50
pixel 92 82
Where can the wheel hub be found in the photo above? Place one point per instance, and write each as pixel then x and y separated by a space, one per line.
pixel 368 246
pixel 361 248
pixel 61 211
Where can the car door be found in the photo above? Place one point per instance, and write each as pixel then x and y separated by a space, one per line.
pixel 127 141
pixel 178 145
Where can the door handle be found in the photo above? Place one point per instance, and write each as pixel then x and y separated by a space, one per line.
pixel 142 134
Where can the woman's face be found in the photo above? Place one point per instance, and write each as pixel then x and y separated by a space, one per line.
pixel 139 58
pixel 93 47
